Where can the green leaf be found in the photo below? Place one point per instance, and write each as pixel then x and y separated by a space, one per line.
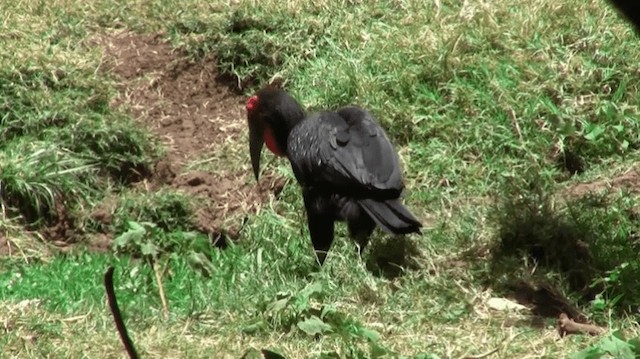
pixel 617 347
pixel 326 310
pixel 121 240
pixel 311 289
pixel 624 145
pixel 613 345
pixel 149 249
pixel 635 343
pixel 136 227
pixel 132 236
pixel 377 351
pixel 589 353
pixel 594 132
pixel 191 235
pixel 314 326
pixel 598 303
pixel 278 305
pixel 370 334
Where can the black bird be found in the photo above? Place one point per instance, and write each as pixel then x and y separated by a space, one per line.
pixel 630 9
pixel 343 160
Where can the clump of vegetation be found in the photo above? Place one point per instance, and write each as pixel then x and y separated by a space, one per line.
pixel 61 145
pixel 145 240
pixel 37 176
pixel 166 209
pixel 303 312
pixel 157 224
pixel 251 49
pixel 613 345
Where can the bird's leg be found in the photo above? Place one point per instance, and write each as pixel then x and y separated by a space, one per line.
pixel 361 239
pixel 321 230
pixel 360 231
pixel 321 222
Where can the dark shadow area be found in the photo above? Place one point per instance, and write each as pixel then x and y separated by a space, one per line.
pixel 556 255
pixel 630 9
pixel 544 299
pixel 392 257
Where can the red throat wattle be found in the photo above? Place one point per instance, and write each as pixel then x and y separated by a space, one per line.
pixel 270 141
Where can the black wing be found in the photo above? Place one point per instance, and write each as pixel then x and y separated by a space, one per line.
pixel 347 152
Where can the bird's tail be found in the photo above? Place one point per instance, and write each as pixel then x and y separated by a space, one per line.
pixel 391 215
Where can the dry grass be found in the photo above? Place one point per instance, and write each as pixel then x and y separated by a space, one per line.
pixel 36 332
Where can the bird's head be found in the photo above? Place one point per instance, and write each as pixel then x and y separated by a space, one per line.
pixel 271 113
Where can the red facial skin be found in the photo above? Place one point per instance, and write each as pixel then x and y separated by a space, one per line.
pixel 252 103
pixel 267 134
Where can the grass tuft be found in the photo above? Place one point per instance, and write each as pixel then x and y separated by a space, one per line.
pixel 168 210
pixel 63 145
pixel 39 176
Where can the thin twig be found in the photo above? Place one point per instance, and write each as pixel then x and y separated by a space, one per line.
pixel 163 298
pixel 514 121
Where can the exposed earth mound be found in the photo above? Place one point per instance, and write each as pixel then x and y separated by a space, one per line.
pixel 199 119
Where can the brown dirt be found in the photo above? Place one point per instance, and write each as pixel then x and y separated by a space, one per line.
pixel 62 231
pixel 182 102
pixel 193 112
pixel 629 181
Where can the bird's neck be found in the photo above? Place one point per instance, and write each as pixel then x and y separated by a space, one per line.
pixel 291 118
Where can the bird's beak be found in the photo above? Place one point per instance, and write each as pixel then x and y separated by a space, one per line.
pixel 256 131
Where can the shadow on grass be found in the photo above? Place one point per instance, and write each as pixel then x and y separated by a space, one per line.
pixel 581 245
pixel 392 257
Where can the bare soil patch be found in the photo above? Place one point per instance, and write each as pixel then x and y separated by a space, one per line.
pixel 629 181
pixel 194 112
pixel 181 101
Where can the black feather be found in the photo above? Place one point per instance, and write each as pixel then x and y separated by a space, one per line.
pixel 349 172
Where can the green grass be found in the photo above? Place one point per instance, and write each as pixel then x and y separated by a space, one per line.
pixel 496 109
pixel 63 145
